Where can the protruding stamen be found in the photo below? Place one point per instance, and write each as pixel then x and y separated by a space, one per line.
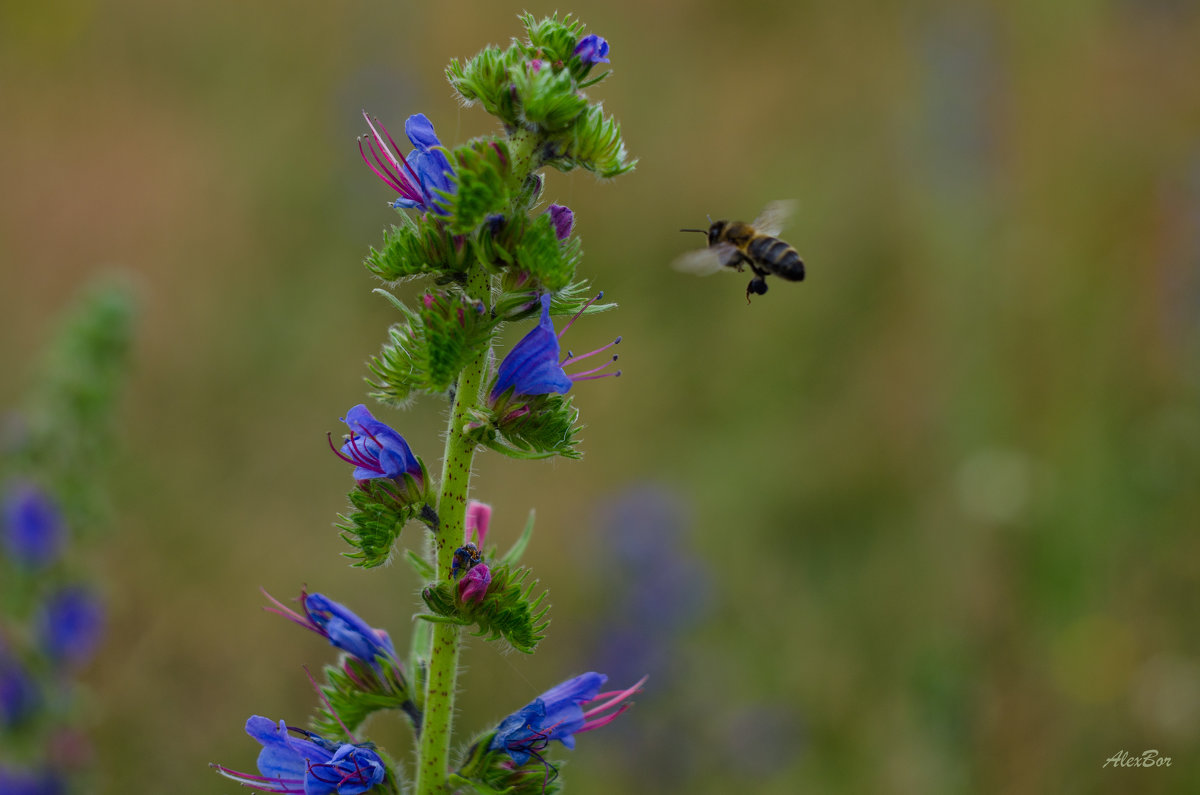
pixel 572 358
pixel 582 309
pixel 580 376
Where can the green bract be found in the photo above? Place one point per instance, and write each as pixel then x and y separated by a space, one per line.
pixel 507 611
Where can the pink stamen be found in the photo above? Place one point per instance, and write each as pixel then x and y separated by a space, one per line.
pixel 583 308
pixel 603 720
pixel 583 376
pixel 281 609
pixel 325 700
pixel 382 172
pixel 614 697
pixel 360 458
pixel 277 784
pixel 416 179
pixel 572 358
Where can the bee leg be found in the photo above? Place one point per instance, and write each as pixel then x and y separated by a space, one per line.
pixel 757 285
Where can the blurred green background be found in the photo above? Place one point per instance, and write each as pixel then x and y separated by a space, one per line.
pixel 935 508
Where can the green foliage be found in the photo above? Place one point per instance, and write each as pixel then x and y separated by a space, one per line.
pixel 525 427
pixel 554 40
pixel 430 348
pixel 547 97
pixel 483 171
pixel 354 690
pixel 594 143
pixel 484 79
pixel 506 611
pixel 416 248
pixel 489 772
pixel 382 508
pixel 550 261
pixel 69 415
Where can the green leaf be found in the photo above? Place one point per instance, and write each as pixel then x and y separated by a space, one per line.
pixel 513 555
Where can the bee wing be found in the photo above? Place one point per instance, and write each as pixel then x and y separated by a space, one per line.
pixel 770 222
pixel 703 261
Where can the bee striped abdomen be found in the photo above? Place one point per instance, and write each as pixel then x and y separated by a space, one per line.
pixel 777 257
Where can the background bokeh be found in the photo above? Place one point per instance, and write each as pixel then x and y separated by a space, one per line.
pixel 925 523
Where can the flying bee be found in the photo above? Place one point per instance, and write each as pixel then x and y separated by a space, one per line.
pixel 735 244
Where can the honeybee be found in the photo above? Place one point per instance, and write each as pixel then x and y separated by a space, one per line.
pixel 735 244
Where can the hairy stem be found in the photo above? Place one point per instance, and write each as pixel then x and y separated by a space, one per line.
pixel 433 751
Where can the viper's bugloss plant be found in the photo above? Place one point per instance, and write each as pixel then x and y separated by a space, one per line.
pixel 487 254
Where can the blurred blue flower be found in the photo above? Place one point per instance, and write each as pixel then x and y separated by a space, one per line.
pixel 337 624
pixel 532 367
pixel 15 781
pixel 376 450
pixel 70 625
pixel 418 177
pixel 558 714
pixel 33 529
pixel 311 765
pixel 592 49
pixel 19 696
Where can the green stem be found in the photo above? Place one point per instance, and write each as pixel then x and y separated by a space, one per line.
pixel 433 752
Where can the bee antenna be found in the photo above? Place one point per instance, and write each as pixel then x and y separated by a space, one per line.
pixel 701 231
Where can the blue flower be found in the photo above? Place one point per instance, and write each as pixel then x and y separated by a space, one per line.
pixel 33 527
pixel 558 714
pixel 532 367
pixel 19 696
pixel 27 782
pixel 418 177
pixel 376 450
pixel 592 49
pixel 70 626
pixel 340 626
pixel 308 764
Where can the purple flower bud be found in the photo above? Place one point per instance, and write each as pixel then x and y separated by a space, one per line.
pixel 308 764
pixel 558 714
pixel 563 218
pixel 70 626
pixel 33 529
pixel 479 516
pixel 592 49
pixel 416 177
pixel 376 450
pixel 474 584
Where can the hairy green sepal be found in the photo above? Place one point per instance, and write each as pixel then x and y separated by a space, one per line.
pixel 430 348
pixel 381 509
pixel 506 611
